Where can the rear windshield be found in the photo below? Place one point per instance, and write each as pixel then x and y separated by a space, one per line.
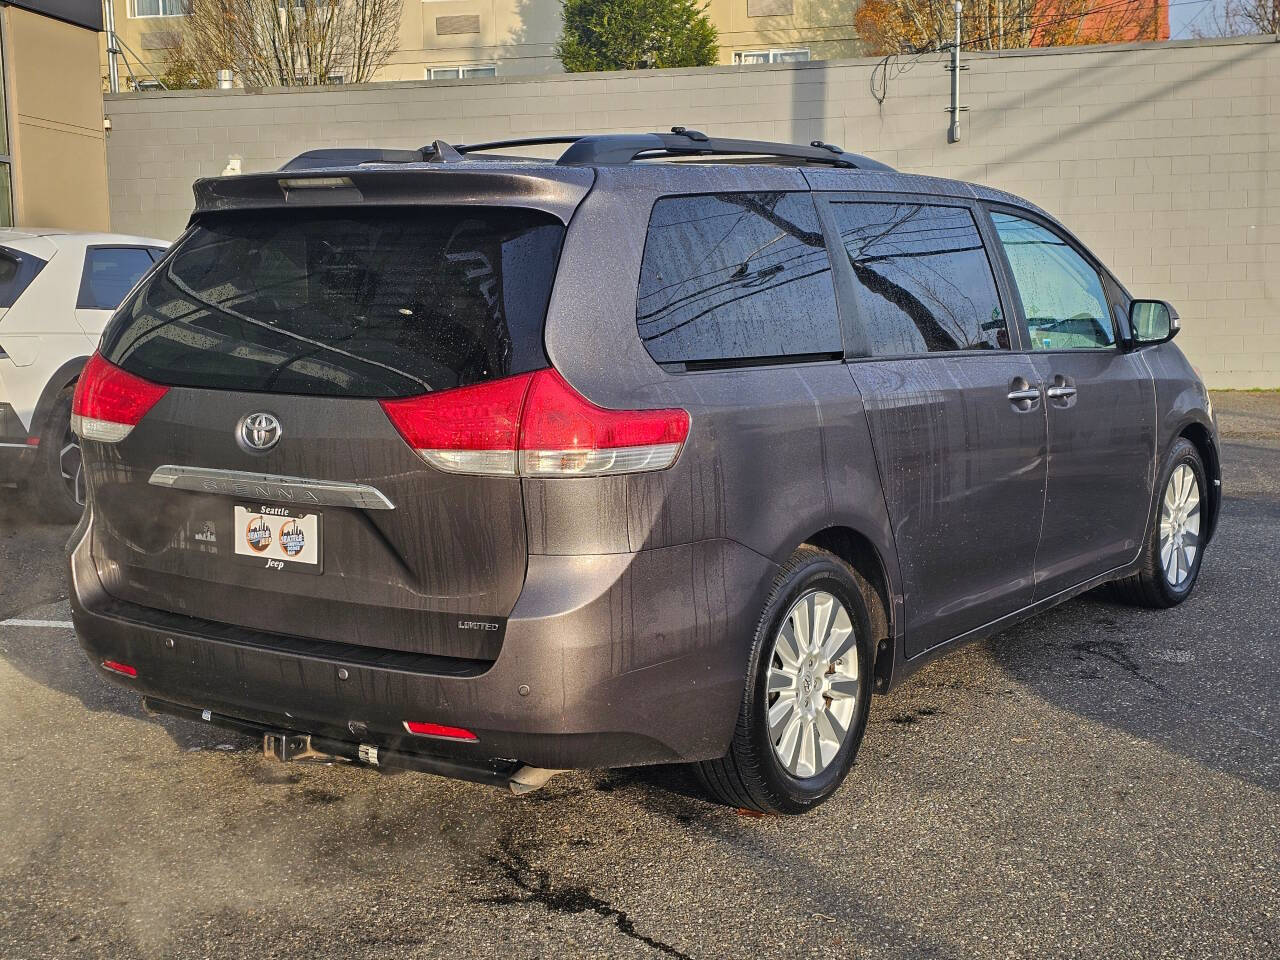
pixel 372 303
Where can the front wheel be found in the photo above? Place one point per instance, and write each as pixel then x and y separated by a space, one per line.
pixel 1172 555
pixel 808 691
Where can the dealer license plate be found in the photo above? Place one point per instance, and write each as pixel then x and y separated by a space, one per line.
pixel 277 538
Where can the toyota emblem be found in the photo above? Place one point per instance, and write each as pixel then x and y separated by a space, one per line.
pixel 260 431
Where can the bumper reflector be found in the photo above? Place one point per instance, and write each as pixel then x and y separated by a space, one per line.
pixel 121 668
pixel 439 730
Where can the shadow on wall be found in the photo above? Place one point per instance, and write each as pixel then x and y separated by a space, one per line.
pixel 536 28
pixel 1049 93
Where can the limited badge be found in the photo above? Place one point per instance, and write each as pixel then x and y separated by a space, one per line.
pixel 258 534
pixel 293 539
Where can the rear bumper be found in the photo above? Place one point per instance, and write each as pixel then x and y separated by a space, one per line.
pixel 609 660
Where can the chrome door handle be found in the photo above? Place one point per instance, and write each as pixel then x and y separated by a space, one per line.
pixel 1060 393
pixel 1029 394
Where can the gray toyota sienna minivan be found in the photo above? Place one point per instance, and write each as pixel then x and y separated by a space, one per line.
pixel 491 466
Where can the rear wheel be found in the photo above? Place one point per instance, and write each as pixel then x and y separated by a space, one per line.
pixel 56 487
pixel 1171 558
pixel 808 691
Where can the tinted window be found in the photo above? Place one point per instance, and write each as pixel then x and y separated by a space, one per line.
pixel 373 303
pixel 17 270
pixel 736 276
pixel 923 280
pixel 109 274
pixel 1061 293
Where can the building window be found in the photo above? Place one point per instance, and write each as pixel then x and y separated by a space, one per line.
pixel 462 73
pixel 790 55
pixel 770 8
pixel 160 8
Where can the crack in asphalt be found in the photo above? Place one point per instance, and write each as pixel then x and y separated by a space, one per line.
pixel 1115 652
pixel 567 899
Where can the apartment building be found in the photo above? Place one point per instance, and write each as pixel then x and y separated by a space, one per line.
pixel 53 155
pixel 448 39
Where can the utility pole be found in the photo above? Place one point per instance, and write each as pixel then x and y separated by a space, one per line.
pixel 109 24
pixel 953 134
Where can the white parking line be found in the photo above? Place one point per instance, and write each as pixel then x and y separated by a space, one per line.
pixel 58 624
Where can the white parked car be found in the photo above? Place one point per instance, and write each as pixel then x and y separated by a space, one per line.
pixel 57 291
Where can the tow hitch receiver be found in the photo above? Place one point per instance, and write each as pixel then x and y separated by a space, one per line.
pixel 291 746
pixel 283 745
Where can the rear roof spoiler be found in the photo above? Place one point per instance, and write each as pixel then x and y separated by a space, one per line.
pixel 554 190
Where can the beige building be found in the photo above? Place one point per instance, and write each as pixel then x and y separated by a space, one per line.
pixel 449 39
pixel 53 159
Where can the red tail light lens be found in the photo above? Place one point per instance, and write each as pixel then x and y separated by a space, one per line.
pixel 109 402
pixel 466 430
pixel 439 730
pixel 121 668
pixel 535 425
pixel 562 434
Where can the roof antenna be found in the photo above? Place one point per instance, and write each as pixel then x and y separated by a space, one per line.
pixel 826 146
pixel 440 152
pixel 697 135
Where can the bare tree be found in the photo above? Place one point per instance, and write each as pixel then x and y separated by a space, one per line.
pixel 1240 18
pixel 271 43
pixel 905 26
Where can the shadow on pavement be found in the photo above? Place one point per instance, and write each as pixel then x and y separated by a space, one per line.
pixel 1199 679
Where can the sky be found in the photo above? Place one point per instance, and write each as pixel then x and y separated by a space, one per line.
pixel 1182 14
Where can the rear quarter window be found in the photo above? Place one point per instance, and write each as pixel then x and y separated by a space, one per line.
pixel 734 277
pixel 109 274
pixel 385 302
pixel 17 270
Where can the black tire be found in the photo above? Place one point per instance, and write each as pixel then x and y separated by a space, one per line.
pixel 751 776
pixel 55 488
pixel 1150 587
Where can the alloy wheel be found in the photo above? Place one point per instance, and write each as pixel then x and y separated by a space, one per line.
pixel 1180 525
pixel 71 467
pixel 813 684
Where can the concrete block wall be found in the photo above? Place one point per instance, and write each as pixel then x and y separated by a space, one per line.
pixel 1163 158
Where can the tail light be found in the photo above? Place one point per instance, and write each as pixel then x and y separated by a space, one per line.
pixel 109 402
pixel 535 425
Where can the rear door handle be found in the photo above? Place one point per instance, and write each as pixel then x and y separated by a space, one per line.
pixel 1060 393
pixel 1030 393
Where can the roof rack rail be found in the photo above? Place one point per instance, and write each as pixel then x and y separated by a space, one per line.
pixel 598 149
pixel 682 142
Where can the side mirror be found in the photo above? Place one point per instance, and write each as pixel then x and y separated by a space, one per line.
pixel 1152 321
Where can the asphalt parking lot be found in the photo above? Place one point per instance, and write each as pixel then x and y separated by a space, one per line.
pixel 1100 781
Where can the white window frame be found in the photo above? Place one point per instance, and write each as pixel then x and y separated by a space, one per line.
pixel 432 71
pixel 772 55
pixel 135 15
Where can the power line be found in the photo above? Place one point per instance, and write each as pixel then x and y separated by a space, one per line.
pixel 1189 23
pixel 880 89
